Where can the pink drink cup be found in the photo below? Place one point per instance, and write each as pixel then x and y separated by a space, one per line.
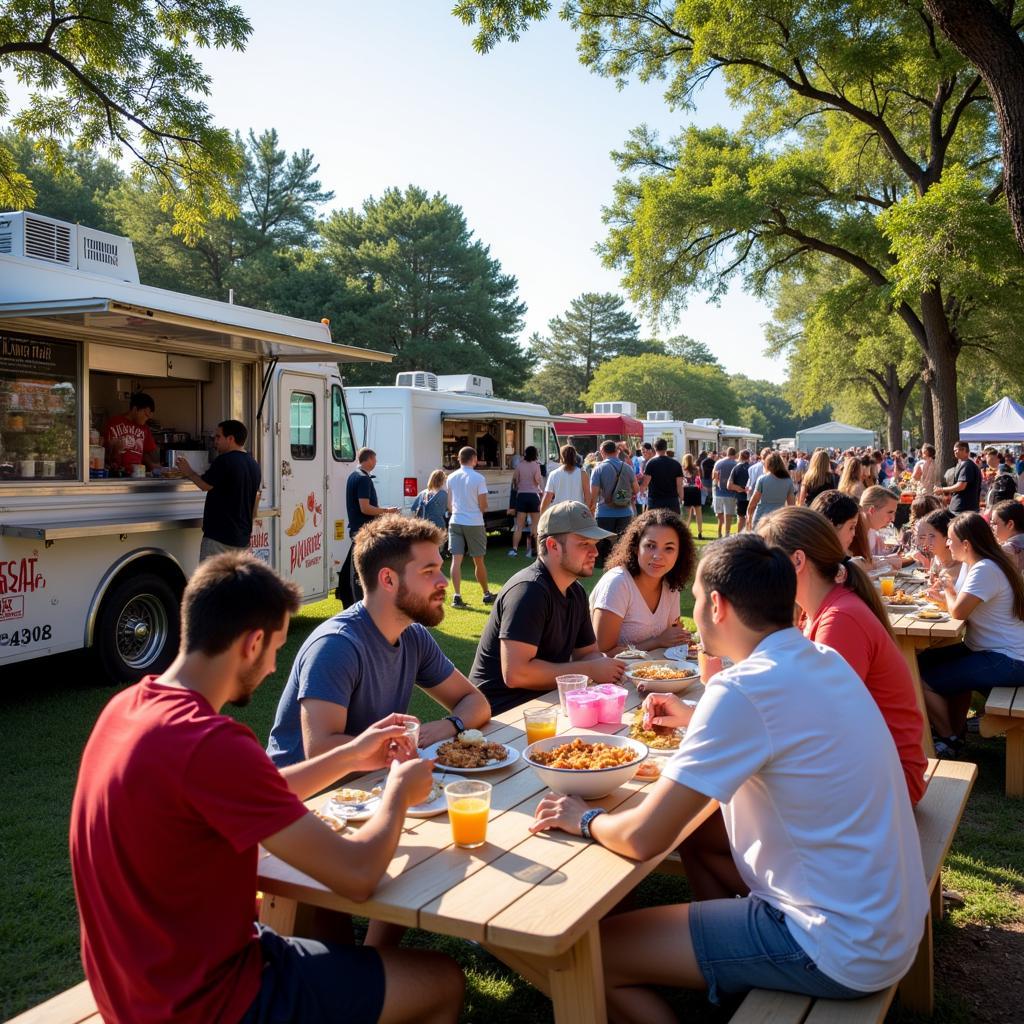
pixel 582 707
pixel 613 703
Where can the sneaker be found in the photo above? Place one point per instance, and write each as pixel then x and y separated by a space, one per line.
pixel 490 598
pixel 457 602
pixel 512 553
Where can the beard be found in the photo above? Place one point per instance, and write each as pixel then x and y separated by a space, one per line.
pixel 581 567
pixel 425 610
pixel 250 680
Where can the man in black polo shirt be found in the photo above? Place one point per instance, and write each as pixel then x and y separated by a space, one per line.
pixel 965 490
pixel 232 486
pixel 664 478
pixel 361 506
pixel 541 621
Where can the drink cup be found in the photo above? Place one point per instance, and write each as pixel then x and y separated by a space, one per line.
pixel 708 664
pixel 412 732
pixel 469 804
pixel 540 724
pixel 613 703
pixel 566 684
pixel 887 585
pixel 582 707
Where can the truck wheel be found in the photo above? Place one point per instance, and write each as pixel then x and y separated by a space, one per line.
pixel 137 628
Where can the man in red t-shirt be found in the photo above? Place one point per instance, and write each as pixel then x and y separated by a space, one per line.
pixel 127 438
pixel 173 800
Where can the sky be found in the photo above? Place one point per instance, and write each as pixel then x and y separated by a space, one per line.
pixel 391 93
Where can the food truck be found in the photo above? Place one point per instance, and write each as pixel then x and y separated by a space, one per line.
pixel 610 421
pixel 419 424
pixel 91 558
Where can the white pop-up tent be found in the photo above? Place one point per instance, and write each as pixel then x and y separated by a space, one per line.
pixel 833 435
pixel 1003 421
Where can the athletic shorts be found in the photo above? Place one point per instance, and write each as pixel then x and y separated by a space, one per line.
pixel 693 496
pixel 314 981
pixel 527 502
pixel 741 505
pixel 724 506
pixel 742 944
pixel 467 540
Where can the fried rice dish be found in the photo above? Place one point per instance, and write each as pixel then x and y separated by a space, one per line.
pixel 657 671
pixel 466 755
pixel 900 597
pixel 662 739
pixel 581 756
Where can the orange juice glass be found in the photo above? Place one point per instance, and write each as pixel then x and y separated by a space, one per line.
pixel 469 804
pixel 888 585
pixel 540 724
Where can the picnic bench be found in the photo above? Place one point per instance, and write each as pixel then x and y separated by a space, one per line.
pixel 1004 713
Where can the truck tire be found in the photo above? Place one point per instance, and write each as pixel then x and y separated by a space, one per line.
pixel 137 628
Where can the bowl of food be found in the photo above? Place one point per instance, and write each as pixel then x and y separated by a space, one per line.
pixel 663 676
pixel 587 766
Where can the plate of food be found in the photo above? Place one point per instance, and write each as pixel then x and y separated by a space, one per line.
pixel 682 652
pixel 435 802
pixel 469 753
pixel 588 766
pixel 931 615
pixel 663 676
pixel 658 740
pixel 632 653
pixel 901 600
pixel 350 804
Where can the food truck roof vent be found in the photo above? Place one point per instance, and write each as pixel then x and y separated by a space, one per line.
pixel 466 384
pixel 32 236
pixel 416 379
pixel 659 415
pixel 616 408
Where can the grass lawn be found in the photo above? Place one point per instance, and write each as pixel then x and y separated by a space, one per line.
pixel 49 708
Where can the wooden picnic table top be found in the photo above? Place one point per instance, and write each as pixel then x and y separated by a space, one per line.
pixel 533 894
pixel 907 624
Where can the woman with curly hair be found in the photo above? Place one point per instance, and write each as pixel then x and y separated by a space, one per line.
pixel 636 601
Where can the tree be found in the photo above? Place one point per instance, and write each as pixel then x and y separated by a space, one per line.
pixel 986 35
pixel 593 329
pixel 423 288
pixel 122 75
pixel 277 196
pixel 773 411
pixel 854 118
pixel 664 382
pixel 690 350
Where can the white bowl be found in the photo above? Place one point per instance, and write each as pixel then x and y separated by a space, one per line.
pixel 591 783
pixel 665 685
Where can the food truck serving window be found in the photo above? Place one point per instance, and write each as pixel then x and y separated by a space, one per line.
pixel 341 436
pixel 302 420
pixel 39 408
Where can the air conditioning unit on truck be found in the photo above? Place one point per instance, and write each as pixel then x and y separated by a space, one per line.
pixel 90 559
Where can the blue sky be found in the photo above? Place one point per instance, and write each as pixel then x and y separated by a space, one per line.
pixel 392 93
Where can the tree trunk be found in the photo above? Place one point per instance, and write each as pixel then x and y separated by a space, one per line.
pixel 985 36
pixel 927 413
pixel 941 356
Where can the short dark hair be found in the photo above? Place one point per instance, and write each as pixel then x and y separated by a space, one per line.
pixel 236 429
pixel 466 455
pixel 627 547
pixel 661 445
pixel 1003 488
pixel 836 507
pixel 529 453
pixel 140 400
pixel 1011 512
pixel 609 447
pixel 757 580
pixel 963 445
pixel 385 542
pixel 363 454
pixel 231 595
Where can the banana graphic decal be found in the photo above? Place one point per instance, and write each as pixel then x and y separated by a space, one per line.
pixel 298 521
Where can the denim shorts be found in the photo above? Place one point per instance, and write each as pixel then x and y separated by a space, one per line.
pixel 306 980
pixel 957 669
pixel 745 943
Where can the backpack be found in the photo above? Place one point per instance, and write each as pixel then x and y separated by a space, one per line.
pixel 621 496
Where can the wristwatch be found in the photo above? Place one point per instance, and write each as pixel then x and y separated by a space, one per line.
pixel 588 817
pixel 460 725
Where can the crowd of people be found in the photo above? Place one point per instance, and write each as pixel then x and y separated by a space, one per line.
pixel 810 740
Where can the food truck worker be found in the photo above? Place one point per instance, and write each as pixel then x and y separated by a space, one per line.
pixel 127 438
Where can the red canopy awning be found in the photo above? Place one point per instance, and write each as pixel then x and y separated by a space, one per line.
pixel 599 423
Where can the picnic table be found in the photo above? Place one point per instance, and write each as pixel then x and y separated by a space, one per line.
pixel 535 902
pixel 914 634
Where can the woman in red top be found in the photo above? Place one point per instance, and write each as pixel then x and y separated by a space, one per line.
pixel 842 610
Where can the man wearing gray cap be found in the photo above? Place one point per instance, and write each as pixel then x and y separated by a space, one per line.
pixel 540 626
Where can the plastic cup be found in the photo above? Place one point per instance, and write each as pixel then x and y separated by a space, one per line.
pixel 613 703
pixel 412 731
pixel 582 707
pixel 469 804
pixel 708 664
pixel 540 724
pixel 566 684
pixel 888 585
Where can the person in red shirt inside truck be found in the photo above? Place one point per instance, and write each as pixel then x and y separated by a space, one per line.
pixel 127 438
pixel 172 803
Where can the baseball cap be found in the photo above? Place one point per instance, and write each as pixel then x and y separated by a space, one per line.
pixel 570 517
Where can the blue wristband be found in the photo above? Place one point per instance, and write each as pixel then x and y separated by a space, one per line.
pixel 588 817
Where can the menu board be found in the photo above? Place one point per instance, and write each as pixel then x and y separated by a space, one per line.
pixel 36 358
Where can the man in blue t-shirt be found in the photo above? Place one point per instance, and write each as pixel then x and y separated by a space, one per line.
pixel 614 489
pixel 362 664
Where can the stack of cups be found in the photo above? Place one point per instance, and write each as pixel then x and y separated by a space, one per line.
pixel 566 684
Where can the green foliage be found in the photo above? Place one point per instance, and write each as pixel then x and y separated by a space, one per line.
pixel 763 404
pixel 499 19
pixel 123 76
pixel 425 289
pixel 665 382
pixel 689 350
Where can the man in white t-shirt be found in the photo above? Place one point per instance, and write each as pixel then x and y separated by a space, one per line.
pixel 824 848
pixel 467 535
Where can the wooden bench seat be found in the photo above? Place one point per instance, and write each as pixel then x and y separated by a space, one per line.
pixel 1004 713
pixel 938 816
pixel 75 1006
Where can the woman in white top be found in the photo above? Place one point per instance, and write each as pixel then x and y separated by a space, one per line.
pixel 924 470
pixel 566 483
pixel 636 601
pixel 989 596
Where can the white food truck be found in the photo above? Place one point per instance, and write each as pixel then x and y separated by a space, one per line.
pixel 92 559
pixel 702 435
pixel 420 423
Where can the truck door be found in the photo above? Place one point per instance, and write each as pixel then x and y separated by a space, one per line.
pixel 304 434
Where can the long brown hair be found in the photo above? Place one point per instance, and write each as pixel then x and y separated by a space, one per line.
pixel 796 528
pixel 567 456
pixel 819 473
pixel 972 528
pixel 853 471
pixel 774 465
